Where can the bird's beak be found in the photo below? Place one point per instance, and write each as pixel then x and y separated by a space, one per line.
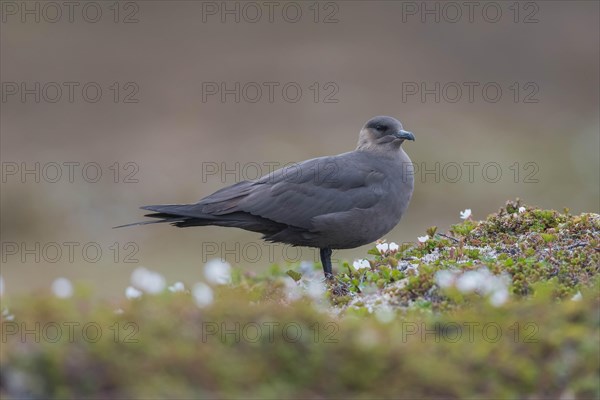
pixel 405 135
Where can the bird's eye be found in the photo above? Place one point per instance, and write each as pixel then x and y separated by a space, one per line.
pixel 380 128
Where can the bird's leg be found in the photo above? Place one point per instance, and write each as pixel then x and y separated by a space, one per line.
pixel 326 261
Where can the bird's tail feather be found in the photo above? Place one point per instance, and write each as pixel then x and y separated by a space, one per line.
pixel 148 222
pixel 165 213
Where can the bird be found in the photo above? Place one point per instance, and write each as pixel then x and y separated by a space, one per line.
pixel 332 202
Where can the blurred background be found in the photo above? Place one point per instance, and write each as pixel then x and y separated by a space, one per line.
pixel 110 106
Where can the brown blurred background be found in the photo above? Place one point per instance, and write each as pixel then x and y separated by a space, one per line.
pixel 178 140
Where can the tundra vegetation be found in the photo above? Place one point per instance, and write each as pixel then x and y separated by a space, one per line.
pixel 506 307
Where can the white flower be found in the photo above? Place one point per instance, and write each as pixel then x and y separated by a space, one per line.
pixel 522 209
pixel 385 314
pixel 444 278
pixel 132 293
pixel 203 294
pixel 7 315
pixel 62 288
pixel 423 239
pixel 148 281
pixel 293 291
pixel 383 247
pixel 177 287
pixel 577 297
pixel 306 267
pixel 465 214
pixel 360 264
pixel 499 296
pixel 483 282
pixel 217 272
pixel 316 289
pixel 469 281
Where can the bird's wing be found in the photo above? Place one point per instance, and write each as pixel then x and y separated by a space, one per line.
pixel 294 196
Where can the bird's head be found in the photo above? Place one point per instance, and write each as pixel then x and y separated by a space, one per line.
pixel 382 133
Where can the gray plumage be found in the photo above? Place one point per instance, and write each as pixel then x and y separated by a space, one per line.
pixel 335 202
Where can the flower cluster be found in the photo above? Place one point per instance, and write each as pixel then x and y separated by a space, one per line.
pixel 386 248
pixel 480 281
pixel 143 280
